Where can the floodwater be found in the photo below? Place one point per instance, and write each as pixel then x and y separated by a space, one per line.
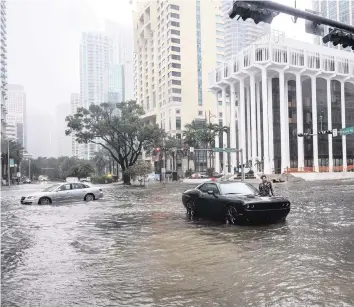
pixel 137 248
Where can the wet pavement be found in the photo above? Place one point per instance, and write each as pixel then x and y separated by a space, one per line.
pixel 137 248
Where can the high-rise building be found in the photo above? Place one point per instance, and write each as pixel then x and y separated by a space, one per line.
pixel 94 68
pixel 175 47
pixel 238 34
pixel 62 142
pixel 3 65
pixel 16 112
pixel 120 59
pixel 339 10
pixel 75 103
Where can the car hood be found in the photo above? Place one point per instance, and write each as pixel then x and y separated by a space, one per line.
pixel 254 198
pixel 38 194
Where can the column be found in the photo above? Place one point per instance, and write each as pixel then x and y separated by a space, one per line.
pixel 242 120
pixel 282 122
pixel 224 142
pixel 216 121
pixel 266 163
pixel 344 137
pixel 270 123
pixel 259 139
pixel 233 125
pixel 286 117
pixel 253 120
pixel 330 140
pixel 314 124
pixel 299 123
pixel 249 154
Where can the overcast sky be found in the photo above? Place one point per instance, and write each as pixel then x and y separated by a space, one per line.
pixel 43 51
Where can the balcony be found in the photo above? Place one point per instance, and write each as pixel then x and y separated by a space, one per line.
pixel 285 52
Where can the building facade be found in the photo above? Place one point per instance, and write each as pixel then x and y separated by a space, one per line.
pixel 278 88
pixel 121 59
pixel 16 112
pixel 234 31
pixel 340 10
pixel 75 103
pixel 94 67
pixel 62 142
pixel 3 65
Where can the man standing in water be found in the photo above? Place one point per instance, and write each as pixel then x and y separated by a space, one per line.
pixel 265 187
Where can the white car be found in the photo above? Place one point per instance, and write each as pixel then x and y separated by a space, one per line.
pixel 63 192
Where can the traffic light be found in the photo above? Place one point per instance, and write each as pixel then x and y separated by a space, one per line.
pixel 325 132
pixel 254 11
pixel 303 134
pixel 339 37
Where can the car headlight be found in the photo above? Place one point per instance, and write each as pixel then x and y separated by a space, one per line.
pixel 30 197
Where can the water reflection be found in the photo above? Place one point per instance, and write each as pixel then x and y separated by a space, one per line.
pixel 137 248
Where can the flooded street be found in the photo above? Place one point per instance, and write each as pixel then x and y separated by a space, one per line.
pixel 136 247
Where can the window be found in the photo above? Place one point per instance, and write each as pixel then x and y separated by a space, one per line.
pixel 174 57
pixel 173 23
pixel 176 82
pixel 174 65
pixel 178 111
pixel 174 48
pixel 178 99
pixel 65 187
pixel 174 15
pixel 176 90
pixel 200 113
pixel 78 186
pixel 220 114
pixel 174 7
pixel 175 40
pixel 176 73
pixel 209 187
pixel 178 123
pixel 175 32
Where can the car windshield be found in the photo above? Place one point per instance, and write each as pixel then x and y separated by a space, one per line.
pixel 52 188
pixel 238 188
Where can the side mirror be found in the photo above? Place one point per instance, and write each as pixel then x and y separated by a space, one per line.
pixel 211 192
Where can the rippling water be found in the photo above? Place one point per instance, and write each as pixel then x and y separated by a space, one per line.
pixel 136 248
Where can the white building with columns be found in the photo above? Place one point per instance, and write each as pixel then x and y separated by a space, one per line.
pixel 279 87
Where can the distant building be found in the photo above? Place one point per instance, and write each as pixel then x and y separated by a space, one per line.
pixel 3 65
pixel 238 34
pixel 121 53
pixel 75 103
pixel 339 10
pixel 62 142
pixel 94 67
pixel 16 112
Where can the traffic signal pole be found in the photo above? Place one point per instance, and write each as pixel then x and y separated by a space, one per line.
pixel 300 14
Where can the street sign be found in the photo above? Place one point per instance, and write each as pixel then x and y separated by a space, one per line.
pixel 230 149
pixel 191 149
pixel 12 162
pixel 18 174
pixel 224 149
pixel 346 131
pixel 334 132
pixel 218 149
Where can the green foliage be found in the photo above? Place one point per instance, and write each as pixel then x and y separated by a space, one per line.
pixel 118 128
pixel 210 171
pixel 102 179
pixel 140 169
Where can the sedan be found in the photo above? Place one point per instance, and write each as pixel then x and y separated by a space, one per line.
pixel 63 192
pixel 234 203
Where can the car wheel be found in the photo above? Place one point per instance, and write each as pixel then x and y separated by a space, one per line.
pixel 89 197
pixel 190 208
pixel 230 215
pixel 44 201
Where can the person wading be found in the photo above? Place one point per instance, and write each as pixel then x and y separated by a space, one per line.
pixel 265 187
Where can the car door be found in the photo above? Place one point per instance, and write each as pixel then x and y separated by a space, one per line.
pixel 78 191
pixel 63 193
pixel 206 202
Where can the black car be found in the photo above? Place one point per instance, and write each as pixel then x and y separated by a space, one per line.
pixel 234 203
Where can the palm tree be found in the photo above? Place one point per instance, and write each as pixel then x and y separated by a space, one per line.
pixel 100 161
pixel 15 151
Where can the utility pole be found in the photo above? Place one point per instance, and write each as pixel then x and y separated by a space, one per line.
pixel 8 162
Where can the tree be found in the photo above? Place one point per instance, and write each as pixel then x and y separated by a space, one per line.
pixel 100 161
pixel 140 169
pixel 118 128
